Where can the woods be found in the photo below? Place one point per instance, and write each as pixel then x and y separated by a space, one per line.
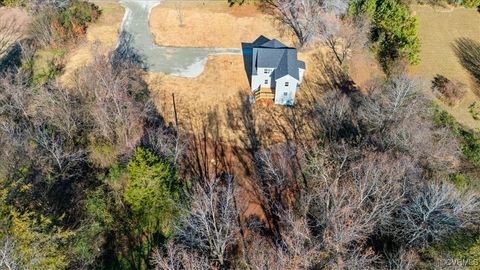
pixel 372 176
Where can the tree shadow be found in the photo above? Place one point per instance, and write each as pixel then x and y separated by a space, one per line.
pixel 468 53
pixel 125 53
pixel 247 53
pixel 12 59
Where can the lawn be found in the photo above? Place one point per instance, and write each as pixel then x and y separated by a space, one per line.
pixel 211 24
pixel 438 30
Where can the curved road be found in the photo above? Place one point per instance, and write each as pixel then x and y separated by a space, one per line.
pixel 185 62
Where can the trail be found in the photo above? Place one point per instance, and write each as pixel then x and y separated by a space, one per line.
pixel 184 62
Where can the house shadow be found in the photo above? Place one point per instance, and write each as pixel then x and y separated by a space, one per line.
pixel 247 52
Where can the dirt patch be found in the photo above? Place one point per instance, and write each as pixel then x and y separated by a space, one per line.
pixel 101 38
pixel 438 31
pixel 214 25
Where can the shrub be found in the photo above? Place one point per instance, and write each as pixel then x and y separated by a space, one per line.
pixel 469 139
pixel 73 21
pixel 451 92
pixel 10 3
pixel 470 3
pixel 474 110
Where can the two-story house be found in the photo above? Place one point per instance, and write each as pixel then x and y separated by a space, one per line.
pixel 276 71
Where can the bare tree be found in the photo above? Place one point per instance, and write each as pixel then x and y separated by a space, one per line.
pixel 397 117
pixel 305 19
pixel 342 36
pixel 403 259
pixel 174 257
pixel 299 15
pixel 114 99
pixel 41 28
pixel 8 260
pixel 434 213
pixel 211 226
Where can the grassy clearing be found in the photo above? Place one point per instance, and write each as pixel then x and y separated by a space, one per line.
pixel 438 30
pixel 47 64
pixel 211 24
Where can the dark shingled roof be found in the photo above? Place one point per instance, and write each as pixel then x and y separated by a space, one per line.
pixel 274 54
pixel 273 44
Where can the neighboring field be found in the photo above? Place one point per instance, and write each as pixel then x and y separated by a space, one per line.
pixel 102 37
pixel 438 30
pixel 210 24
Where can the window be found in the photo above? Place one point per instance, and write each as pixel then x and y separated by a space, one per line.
pixel 285 94
pixel 287 84
pixel 266 71
pixel 266 81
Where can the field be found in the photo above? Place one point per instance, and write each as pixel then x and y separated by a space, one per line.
pixel 102 37
pixel 438 30
pixel 211 24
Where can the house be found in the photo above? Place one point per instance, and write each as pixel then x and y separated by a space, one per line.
pixel 276 72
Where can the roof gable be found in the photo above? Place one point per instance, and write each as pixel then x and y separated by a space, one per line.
pixel 273 44
pixel 274 54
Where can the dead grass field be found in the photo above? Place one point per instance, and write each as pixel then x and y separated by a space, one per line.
pixel 13 22
pixel 220 84
pixel 101 37
pixel 211 25
pixel 438 30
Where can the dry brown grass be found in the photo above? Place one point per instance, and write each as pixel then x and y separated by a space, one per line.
pixel 217 87
pixel 20 16
pixel 438 29
pixel 101 37
pixel 212 25
pixel 13 26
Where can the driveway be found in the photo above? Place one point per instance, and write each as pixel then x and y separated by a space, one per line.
pixel 184 62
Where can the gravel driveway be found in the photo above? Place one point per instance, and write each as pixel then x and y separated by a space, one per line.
pixel 184 62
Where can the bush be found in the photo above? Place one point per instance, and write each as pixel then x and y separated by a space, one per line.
pixel 469 139
pixel 474 110
pixel 58 25
pixel 470 3
pixel 9 3
pixel 73 21
pixel 451 92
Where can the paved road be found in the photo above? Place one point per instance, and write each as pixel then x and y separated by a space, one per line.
pixel 185 62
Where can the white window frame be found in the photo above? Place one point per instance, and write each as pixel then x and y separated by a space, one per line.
pixel 287 84
pixel 267 82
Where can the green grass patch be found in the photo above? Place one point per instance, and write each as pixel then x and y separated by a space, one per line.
pixel 47 64
pixel 469 139
pixel 463 247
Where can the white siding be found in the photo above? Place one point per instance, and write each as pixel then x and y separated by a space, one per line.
pixel 285 90
pixel 301 71
pixel 263 79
